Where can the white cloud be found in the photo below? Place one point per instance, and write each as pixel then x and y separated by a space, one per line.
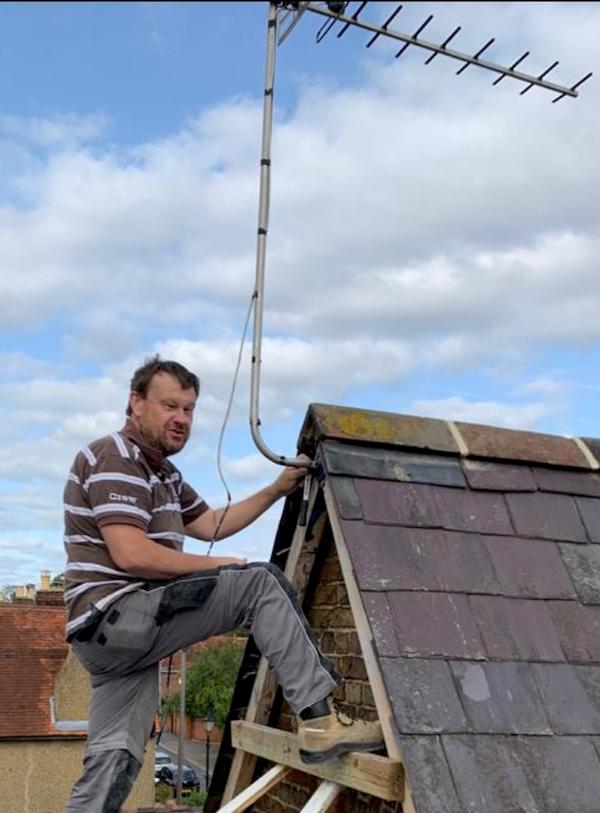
pixel 63 130
pixel 492 413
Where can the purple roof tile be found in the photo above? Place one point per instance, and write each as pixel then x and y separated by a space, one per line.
pixel 546 516
pixel 393 558
pixel 487 476
pixel 423 696
pixel 500 698
pixel 589 509
pixel 381 619
pixel 529 567
pixel 516 629
pixel 566 482
pixel 425 506
pixel 435 625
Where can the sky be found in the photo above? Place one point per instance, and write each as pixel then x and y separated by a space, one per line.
pixel 433 242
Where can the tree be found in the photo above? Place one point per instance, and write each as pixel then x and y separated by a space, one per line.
pixel 211 678
pixel 7 592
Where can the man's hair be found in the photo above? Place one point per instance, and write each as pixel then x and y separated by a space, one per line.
pixel 142 377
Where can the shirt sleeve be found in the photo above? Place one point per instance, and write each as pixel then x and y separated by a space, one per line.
pixel 119 493
pixel 192 505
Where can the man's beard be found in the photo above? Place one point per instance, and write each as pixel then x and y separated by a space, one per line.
pixel 156 442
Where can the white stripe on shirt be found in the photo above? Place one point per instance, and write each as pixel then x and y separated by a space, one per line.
pixel 120 508
pixel 117 476
pixel 91 457
pixel 74 509
pixel 119 443
pixel 74 539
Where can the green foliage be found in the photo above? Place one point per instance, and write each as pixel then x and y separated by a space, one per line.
pixel 7 592
pixel 195 799
pixel 162 793
pixel 170 704
pixel 211 679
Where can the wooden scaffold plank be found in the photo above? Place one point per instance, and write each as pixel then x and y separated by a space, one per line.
pixel 322 799
pixel 369 773
pixel 257 789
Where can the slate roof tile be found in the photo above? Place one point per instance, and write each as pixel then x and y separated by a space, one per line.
pixel 391 464
pixel 499 774
pixel 570 708
pixel 487 777
pixel 484 475
pixel 529 567
pixel 435 625
pixel 583 564
pixel 546 516
pixel 393 558
pixel 589 509
pixel 381 619
pixel 566 482
pixel 423 696
pixel 346 497
pixel 434 792
pixel 425 506
pixel 578 629
pixel 480 512
pixel 516 629
pixel 500 698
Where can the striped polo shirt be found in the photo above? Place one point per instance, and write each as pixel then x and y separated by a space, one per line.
pixel 118 479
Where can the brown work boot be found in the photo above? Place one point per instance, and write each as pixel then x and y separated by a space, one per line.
pixel 332 734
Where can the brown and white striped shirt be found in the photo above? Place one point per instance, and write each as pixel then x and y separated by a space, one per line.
pixel 118 479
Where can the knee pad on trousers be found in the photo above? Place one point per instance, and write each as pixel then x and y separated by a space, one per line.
pixel 125 772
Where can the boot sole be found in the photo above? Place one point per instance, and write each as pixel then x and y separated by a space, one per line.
pixel 315 757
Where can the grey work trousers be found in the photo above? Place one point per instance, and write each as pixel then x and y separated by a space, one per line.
pixel 144 626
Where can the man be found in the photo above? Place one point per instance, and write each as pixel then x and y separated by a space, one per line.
pixel 134 597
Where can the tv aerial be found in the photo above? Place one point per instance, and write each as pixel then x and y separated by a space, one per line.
pixel 282 19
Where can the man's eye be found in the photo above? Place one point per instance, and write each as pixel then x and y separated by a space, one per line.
pixel 189 410
pixel 170 406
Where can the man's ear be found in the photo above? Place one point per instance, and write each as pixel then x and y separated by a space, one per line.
pixel 134 403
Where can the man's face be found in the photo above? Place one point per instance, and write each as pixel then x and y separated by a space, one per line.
pixel 164 416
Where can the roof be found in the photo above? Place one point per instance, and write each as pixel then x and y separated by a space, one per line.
pixel 32 651
pixel 475 552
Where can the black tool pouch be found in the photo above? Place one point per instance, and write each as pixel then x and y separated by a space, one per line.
pixel 186 593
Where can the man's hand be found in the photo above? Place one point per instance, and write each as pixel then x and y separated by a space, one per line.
pixel 291 477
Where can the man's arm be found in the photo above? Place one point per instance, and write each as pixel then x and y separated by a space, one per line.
pixel 134 553
pixel 243 513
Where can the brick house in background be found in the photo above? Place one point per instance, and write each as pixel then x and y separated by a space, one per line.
pixel 44 694
pixel 452 571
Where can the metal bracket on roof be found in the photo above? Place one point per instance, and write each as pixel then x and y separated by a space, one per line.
pixel 289 14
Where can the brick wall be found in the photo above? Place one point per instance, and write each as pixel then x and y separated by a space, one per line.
pixel 330 616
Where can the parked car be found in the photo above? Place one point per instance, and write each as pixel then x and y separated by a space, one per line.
pixel 167 775
pixel 162 758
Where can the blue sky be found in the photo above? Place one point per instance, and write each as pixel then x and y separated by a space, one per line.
pixel 433 244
